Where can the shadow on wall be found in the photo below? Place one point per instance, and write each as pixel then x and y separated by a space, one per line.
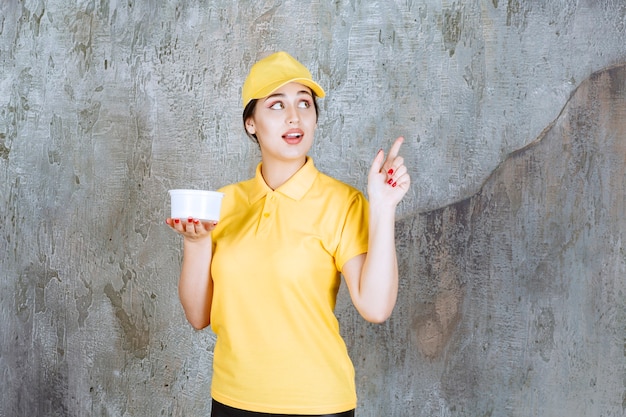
pixel 516 296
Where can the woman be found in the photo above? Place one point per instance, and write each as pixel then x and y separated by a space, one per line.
pixel 266 277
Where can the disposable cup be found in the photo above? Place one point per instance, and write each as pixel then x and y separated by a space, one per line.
pixel 198 204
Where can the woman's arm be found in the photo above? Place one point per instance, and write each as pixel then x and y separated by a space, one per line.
pixel 372 278
pixel 195 286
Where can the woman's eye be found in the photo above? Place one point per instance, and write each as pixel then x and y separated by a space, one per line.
pixel 277 106
pixel 304 104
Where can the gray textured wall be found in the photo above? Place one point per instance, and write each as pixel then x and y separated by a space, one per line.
pixel 512 262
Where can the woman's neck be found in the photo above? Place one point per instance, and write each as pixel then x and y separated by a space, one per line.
pixel 276 173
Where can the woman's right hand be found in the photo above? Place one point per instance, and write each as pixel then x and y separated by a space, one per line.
pixel 192 229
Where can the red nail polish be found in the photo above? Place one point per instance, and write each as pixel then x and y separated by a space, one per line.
pixel 176 221
pixel 390 172
pixel 390 181
pixel 196 221
pixel 394 184
pixel 190 220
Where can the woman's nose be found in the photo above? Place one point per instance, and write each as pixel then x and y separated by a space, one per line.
pixel 292 115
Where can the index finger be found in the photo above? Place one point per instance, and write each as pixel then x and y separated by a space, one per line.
pixel 395 148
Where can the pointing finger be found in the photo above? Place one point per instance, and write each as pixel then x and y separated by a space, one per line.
pixel 395 148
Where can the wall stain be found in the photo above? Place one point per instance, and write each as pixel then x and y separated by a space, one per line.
pixel 542 335
pixel 136 334
pixel 88 117
pixel 4 151
pixel 436 318
pixel 83 302
pixel 451 28
pixel 34 278
pixel 82 26
pixel 433 330
pixel 516 14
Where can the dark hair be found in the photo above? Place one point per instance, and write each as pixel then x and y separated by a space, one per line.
pixel 249 111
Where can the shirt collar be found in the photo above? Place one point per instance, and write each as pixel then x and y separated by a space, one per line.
pixel 295 187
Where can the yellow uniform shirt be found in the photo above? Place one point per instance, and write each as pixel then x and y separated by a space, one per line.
pixel 276 266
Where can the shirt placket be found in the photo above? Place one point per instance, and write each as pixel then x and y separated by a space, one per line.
pixel 268 213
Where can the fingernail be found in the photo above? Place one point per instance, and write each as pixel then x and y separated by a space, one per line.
pixel 390 181
pixel 176 221
pixel 196 221
pixel 190 220
pixel 390 172
pixel 394 184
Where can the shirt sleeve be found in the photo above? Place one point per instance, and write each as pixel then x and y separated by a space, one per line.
pixel 353 239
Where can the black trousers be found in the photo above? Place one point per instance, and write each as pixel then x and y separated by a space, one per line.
pixel 221 410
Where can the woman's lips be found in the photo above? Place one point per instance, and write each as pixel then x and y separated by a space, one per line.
pixel 293 136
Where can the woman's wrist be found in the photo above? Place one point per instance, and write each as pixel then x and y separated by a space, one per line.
pixel 197 242
pixel 382 209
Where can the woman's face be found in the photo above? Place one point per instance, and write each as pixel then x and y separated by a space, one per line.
pixel 284 123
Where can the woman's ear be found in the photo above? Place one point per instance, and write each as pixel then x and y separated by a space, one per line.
pixel 250 127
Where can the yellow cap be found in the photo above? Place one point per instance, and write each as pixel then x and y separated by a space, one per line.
pixel 274 71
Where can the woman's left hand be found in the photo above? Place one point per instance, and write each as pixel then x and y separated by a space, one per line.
pixel 388 179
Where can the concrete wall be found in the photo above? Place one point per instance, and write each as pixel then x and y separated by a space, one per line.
pixel 512 265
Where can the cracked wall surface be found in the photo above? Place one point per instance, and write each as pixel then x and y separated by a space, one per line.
pixel 510 240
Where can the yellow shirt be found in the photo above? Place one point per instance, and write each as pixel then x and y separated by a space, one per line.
pixel 276 268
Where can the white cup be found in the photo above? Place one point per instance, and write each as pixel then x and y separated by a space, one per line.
pixel 198 204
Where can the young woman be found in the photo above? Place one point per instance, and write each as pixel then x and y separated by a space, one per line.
pixel 266 276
